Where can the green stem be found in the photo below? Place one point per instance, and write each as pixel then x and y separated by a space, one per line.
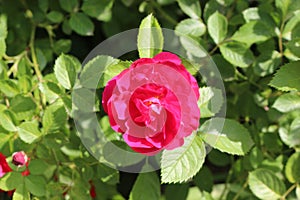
pixel 240 191
pixel 33 55
pixel 288 191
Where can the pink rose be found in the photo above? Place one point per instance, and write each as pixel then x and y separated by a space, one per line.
pixel 153 103
pixel 19 158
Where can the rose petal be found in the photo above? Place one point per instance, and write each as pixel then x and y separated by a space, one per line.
pixel 169 57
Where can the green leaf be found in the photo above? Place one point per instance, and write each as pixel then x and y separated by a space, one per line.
pixel 292 168
pixel 10 181
pixel 256 157
pixel 23 106
pixel 232 138
pixel 43 5
pixel 100 9
pixel 55 16
pixel 113 70
pixel 237 54
pixel 286 7
pixel 290 25
pixel 4 139
pixel 181 164
pixel 267 63
pixel 40 167
pixel 68 5
pixel 7 121
pixel 62 46
pixel 204 179
pixel 150 37
pixel 176 191
pixel 210 101
pixel 3 26
pixel 217 26
pixel 112 156
pixel 65 71
pixel 287 102
pixel 294 46
pixel 21 193
pixel 265 184
pixel 3 34
pixel 54 118
pixel 226 69
pixel 81 24
pixel 2 47
pixel 94 69
pixel 193 46
pixel 109 133
pixel 9 88
pixel 51 90
pixel 84 100
pixel 107 174
pixel 146 187
pixel 251 14
pixel 29 131
pixel 291 136
pixel 191 8
pixel 298 191
pixel 253 32
pixel 191 27
pixel 36 185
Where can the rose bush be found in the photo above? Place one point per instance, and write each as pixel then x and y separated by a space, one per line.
pixel 153 103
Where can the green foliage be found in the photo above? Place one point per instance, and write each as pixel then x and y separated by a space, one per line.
pixel 146 187
pixel 265 184
pixel 150 38
pixel 232 139
pixel 181 164
pixel 287 78
pixel 255 46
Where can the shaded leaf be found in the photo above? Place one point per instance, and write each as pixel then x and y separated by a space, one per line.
pixel 210 101
pixel 94 69
pixel 68 5
pixel 10 181
pixel 81 24
pixel 146 187
pixel 23 106
pixel 36 185
pixel 176 191
pixel 100 9
pixel 191 8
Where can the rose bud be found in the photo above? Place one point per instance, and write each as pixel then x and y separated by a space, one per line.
pixel 19 158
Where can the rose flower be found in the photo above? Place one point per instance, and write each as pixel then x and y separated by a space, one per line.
pixel 153 103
